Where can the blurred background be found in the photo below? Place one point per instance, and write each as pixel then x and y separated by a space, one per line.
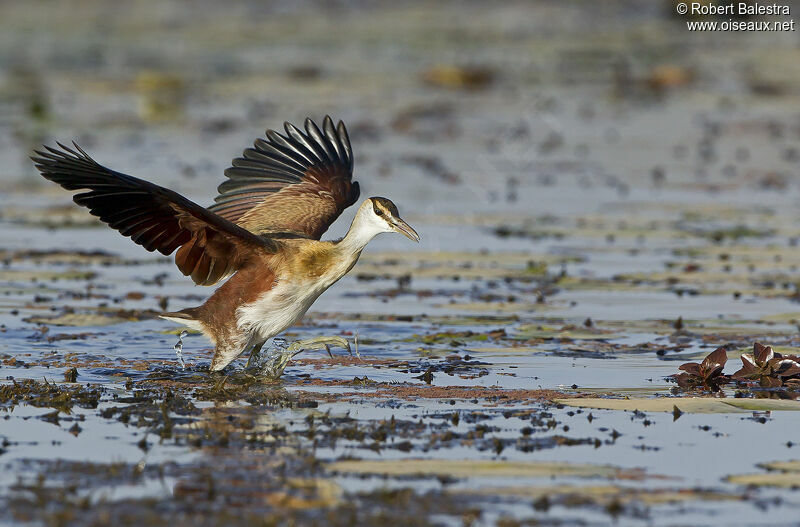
pixel 454 108
pixel 602 196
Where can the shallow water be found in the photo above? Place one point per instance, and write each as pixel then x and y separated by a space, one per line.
pixel 569 216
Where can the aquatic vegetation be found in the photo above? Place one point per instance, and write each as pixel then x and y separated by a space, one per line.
pixel 768 368
pixel 764 366
pixel 539 314
pixel 46 394
pixel 462 468
pixel 689 405
pixel 457 338
pixel 778 474
pixel 704 375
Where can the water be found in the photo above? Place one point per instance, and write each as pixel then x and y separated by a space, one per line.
pixel 179 349
pixel 568 218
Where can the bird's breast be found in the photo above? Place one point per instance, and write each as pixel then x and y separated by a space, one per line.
pixel 320 265
pixel 284 304
pixel 302 278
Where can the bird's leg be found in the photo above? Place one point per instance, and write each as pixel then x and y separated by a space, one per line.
pixel 255 356
pixel 322 343
pixel 275 361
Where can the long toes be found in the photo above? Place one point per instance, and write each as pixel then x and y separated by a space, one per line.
pixel 320 343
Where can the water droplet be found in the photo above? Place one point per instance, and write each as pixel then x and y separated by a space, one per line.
pixel 179 348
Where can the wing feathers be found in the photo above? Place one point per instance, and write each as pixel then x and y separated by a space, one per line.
pixel 314 152
pixel 333 139
pixel 294 152
pixel 345 139
pixel 154 217
pixel 297 183
pixel 280 157
pixel 316 136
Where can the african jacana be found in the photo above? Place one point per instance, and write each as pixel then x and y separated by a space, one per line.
pixel 263 230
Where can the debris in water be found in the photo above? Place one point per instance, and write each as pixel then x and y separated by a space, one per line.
pixel 71 375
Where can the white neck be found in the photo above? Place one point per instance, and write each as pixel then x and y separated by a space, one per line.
pixel 358 236
pixel 366 225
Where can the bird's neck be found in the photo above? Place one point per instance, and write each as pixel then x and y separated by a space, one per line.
pixel 360 234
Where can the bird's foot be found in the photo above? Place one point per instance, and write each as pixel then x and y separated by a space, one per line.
pixel 273 362
pixel 255 359
pixel 323 343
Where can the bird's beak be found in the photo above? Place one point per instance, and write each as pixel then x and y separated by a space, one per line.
pixel 405 229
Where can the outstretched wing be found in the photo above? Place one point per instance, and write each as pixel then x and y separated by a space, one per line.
pixel 291 185
pixel 209 247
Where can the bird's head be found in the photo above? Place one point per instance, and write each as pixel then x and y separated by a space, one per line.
pixel 380 215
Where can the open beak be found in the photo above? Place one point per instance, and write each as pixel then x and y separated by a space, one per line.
pixel 405 229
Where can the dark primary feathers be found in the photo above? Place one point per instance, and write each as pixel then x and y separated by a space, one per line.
pixel 291 185
pixel 209 247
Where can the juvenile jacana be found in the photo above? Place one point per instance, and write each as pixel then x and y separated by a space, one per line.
pixel 263 230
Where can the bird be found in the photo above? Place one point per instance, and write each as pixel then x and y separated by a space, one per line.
pixel 261 237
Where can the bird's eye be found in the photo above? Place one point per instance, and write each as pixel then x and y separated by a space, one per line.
pixel 379 212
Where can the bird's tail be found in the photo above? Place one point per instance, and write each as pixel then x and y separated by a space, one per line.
pixel 187 317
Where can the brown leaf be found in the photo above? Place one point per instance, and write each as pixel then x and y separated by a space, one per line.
pixel 784 367
pixel 684 380
pixel 714 363
pixel 706 375
pixel 762 354
pixel 769 382
pixel 692 368
pixel 749 368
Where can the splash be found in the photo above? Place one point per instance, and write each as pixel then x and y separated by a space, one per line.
pixel 273 362
pixel 179 349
